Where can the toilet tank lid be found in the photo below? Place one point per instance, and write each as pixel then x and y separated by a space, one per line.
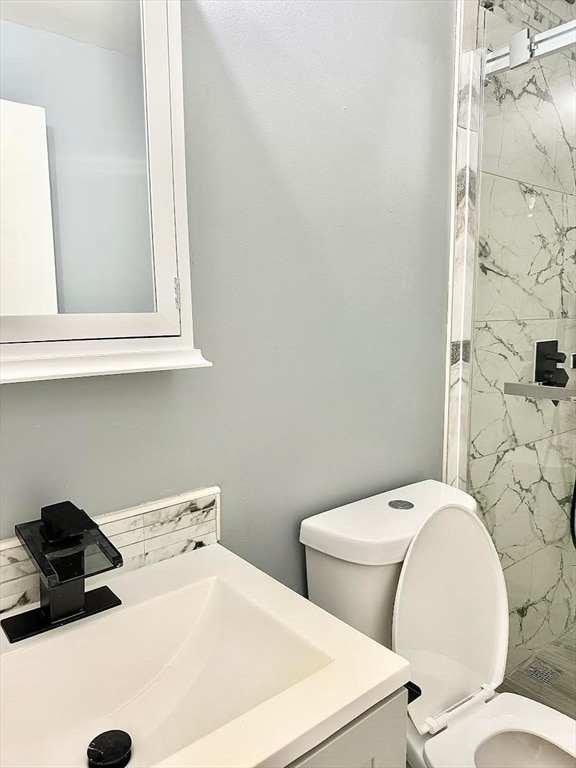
pixel 374 532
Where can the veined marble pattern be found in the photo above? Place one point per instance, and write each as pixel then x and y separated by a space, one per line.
pixel 526 258
pixel 504 351
pixel 570 256
pixel 530 123
pixel 458 417
pixel 541 599
pixel 522 452
pixel 524 495
pixel 143 535
pixel 465 235
pixel 469 91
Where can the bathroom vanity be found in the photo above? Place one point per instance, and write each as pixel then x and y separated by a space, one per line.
pixel 375 739
pixel 208 663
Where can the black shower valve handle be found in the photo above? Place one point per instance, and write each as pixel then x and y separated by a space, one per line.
pixel 557 357
pixel 558 378
pixel 546 364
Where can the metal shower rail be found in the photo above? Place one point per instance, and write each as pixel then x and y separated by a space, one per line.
pixel 525 47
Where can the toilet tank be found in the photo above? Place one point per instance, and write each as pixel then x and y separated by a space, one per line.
pixel 354 553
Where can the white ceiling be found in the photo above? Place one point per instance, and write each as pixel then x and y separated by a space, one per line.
pixel 113 24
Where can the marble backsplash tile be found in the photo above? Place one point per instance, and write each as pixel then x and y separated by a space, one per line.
pixel 144 535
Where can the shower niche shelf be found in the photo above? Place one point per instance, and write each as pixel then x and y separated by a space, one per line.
pixel 541 391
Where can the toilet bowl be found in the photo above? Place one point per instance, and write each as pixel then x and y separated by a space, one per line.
pixel 507 732
pixel 449 619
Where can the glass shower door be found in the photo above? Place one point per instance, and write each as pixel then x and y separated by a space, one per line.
pixel 523 449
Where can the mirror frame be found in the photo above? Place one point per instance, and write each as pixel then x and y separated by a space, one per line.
pixel 63 346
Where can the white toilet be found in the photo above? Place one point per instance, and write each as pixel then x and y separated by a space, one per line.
pixel 416 570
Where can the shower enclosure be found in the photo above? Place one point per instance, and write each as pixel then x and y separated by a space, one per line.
pixel 514 283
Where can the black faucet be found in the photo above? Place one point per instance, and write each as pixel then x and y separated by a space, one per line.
pixel 66 546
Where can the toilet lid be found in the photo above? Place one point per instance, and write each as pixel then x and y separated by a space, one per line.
pixel 451 613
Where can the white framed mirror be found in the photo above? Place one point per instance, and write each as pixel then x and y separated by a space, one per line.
pixel 94 260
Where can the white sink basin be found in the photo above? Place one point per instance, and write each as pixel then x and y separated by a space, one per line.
pixel 208 663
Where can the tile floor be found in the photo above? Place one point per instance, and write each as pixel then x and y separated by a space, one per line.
pixel 550 676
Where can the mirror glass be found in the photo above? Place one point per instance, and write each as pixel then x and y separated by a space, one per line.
pixel 74 192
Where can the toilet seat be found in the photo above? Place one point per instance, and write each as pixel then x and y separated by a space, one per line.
pixel 451 617
pixel 456 746
pixel 451 622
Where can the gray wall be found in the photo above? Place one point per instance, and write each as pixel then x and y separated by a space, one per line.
pixel 97 151
pixel 318 139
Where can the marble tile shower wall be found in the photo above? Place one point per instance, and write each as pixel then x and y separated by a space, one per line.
pixel 522 451
pixel 144 535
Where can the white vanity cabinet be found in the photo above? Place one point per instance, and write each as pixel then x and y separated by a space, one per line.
pixel 375 739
